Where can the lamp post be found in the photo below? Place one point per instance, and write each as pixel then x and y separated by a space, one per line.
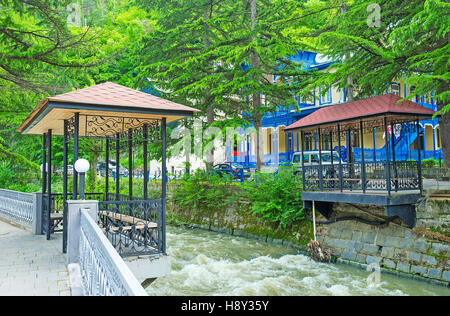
pixel 82 166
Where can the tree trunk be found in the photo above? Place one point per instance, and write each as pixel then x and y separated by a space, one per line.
pixel 209 108
pixel 259 149
pixel 350 90
pixel 256 97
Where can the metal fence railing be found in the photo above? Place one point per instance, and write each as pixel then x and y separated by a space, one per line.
pixel 134 227
pixel 375 176
pixel 103 271
pixel 17 207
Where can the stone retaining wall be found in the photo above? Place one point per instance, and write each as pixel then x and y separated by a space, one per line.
pixel 420 251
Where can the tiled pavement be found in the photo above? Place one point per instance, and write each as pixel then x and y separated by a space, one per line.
pixel 30 265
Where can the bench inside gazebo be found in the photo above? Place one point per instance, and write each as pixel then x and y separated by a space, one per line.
pixel 127 121
pixel 392 183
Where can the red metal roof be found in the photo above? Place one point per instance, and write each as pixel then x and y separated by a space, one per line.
pixel 381 105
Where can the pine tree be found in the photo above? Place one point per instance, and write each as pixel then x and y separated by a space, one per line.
pixel 378 43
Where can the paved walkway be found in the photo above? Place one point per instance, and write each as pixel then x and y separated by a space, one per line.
pixel 30 265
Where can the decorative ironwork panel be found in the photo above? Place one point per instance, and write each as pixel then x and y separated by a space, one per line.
pixel 133 227
pixel 71 128
pixel 17 207
pixel 110 126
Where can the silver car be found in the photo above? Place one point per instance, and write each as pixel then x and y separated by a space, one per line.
pixel 311 158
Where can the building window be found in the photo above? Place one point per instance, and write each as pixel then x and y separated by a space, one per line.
pixel 396 89
pixel 416 97
pixel 342 95
pixel 326 98
pixel 427 99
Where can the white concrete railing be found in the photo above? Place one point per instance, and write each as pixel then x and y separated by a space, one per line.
pixel 103 271
pixel 17 207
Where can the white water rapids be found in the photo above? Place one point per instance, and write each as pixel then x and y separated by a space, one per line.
pixel 207 264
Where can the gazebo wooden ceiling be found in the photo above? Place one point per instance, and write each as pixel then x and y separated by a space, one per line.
pixel 371 110
pixel 107 100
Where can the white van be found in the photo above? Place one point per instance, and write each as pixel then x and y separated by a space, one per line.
pixel 312 159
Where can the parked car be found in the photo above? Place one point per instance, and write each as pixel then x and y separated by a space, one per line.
pixel 60 170
pixel 101 167
pixel 311 158
pixel 231 169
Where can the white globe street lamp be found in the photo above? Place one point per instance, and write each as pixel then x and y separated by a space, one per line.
pixel 82 166
pixel 46 167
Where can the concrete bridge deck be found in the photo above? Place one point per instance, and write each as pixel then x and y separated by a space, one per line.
pixel 30 265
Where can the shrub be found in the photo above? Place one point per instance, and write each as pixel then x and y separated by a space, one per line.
pixel 430 163
pixel 276 197
pixel 203 192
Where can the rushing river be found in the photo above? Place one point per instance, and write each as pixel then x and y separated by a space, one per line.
pixel 207 264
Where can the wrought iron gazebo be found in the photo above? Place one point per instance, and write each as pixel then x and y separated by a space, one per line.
pixel 122 118
pixel 392 183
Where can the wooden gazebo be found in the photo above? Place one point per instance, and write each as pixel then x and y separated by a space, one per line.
pixel 340 128
pixel 122 117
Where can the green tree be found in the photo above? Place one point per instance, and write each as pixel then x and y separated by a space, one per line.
pixel 378 43
pixel 221 57
pixel 41 54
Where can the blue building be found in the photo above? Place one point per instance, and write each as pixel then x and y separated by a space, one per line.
pixel 279 146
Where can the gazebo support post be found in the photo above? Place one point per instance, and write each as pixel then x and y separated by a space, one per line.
pixel 320 160
pixel 130 163
pixel 393 158
pixel 117 167
pixel 374 145
pixel 49 181
pixel 341 182
pixel 363 161
pixel 388 164
pixel 44 173
pixel 350 158
pixel 164 184
pixel 419 164
pixel 145 143
pixel 106 168
pixel 65 183
pixel 302 136
pixel 75 155
pixel 332 173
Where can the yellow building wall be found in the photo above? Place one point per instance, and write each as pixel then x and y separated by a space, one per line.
pixel 266 140
pixel 281 139
pixel 429 141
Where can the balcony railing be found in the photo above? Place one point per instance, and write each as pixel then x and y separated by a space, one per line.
pixel 103 271
pixel 369 176
pixel 134 227
pixel 17 207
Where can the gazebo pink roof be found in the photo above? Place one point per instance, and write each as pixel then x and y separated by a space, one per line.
pixel 109 99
